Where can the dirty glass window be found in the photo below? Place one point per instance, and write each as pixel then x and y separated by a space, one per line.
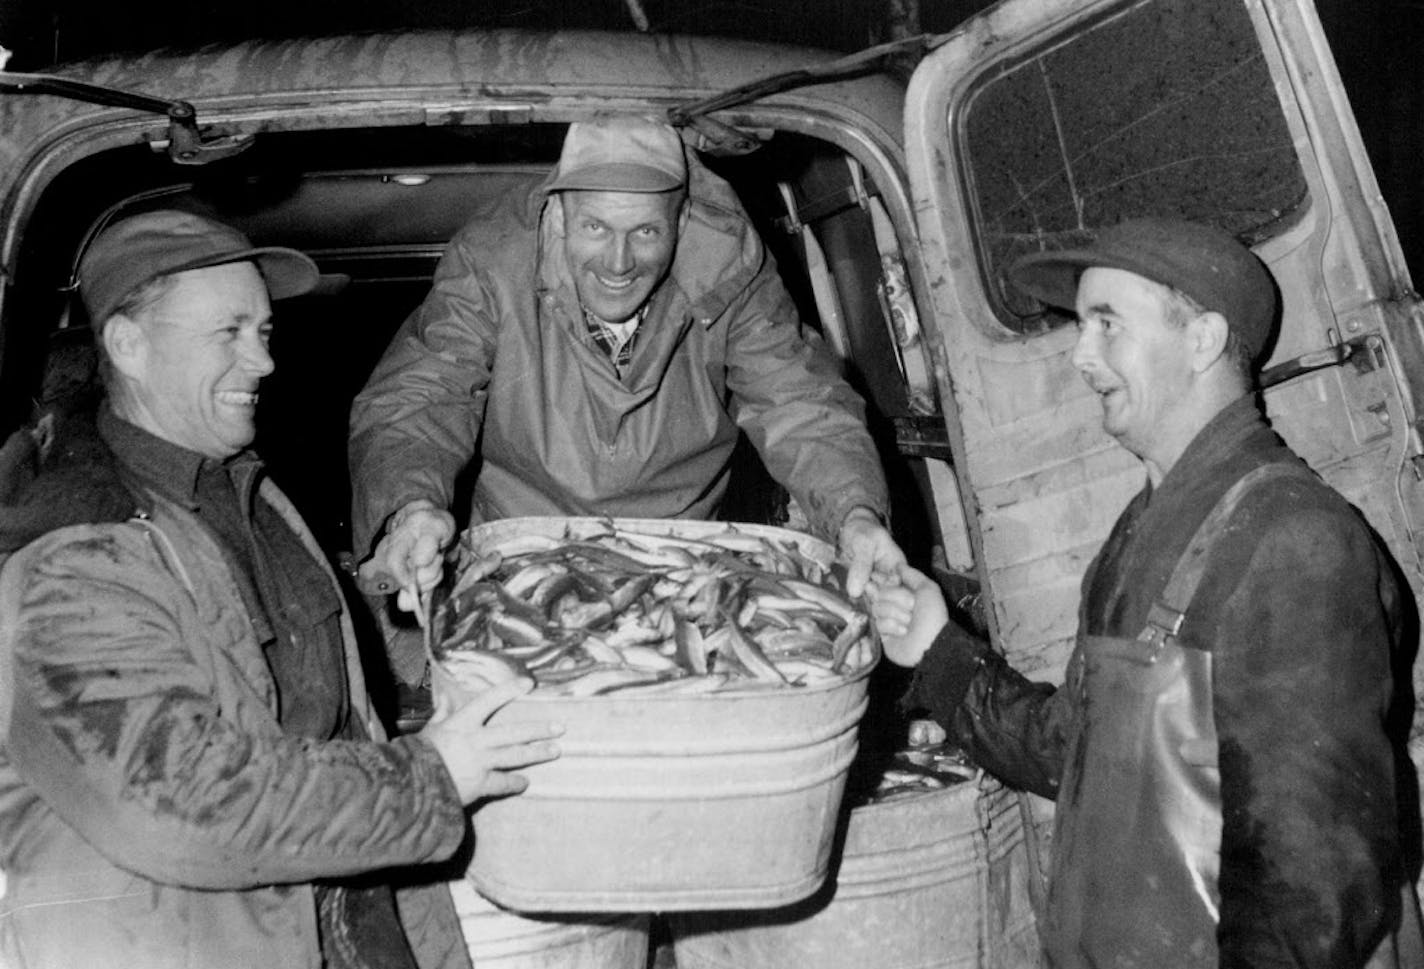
pixel 1163 108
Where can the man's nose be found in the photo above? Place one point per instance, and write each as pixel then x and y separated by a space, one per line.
pixel 257 357
pixel 619 257
pixel 1085 350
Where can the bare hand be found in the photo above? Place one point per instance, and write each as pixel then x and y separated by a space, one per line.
pixel 483 758
pixel 412 550
pixel 908 615
pixel 868 549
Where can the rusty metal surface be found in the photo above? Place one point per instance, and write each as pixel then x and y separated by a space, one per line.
pixel 434 67
pixel 432 78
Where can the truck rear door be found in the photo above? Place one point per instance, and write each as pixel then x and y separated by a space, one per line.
pixel 1040 121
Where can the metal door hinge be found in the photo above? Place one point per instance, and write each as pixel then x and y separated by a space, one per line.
pixel 186 144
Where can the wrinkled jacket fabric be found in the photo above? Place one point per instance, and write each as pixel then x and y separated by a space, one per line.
pixel 152 811
pixel 1298 619
pixel 500 348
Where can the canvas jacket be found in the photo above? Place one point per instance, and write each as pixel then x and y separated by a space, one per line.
pixel 500 348
pixel 152 811
pixel 1301 614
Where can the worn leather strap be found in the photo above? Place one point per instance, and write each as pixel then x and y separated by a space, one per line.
pixel 1167 614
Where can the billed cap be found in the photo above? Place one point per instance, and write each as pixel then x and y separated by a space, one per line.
pixel 620 153
pixel 139 249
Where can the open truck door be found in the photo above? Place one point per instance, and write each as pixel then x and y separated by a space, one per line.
pixel 1041 121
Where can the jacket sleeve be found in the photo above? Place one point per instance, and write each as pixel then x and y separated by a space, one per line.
pixel 1311 853
pixel 1014 728
pixel 415 424
pixel 118 723
pixel 805 421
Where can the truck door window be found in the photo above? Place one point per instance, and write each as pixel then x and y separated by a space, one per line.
pixel 1163 107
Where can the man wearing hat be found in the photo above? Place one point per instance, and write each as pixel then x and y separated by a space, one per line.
pixel 1222 753
pixel 190 771
pixel 605 341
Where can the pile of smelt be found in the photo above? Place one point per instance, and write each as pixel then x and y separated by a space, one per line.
pixel 920 769
pixel 630 612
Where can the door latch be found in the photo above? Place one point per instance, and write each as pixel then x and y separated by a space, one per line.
pixel 1365 353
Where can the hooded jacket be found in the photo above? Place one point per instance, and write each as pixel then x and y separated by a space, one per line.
pixel 152 811
pixel 499 348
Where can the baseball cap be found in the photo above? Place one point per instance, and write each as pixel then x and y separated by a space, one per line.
pixel 620 153
pixel 1202 261
pixel 141 248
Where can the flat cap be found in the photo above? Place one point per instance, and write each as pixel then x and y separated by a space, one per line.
pixel 1202 261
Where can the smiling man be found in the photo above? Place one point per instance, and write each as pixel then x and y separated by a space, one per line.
pixel 1224 752
pixel 190 770
pixel 605 342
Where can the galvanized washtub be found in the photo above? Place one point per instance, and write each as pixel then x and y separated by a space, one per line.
pixel 936 880
pixel 670 803
pixel 497 939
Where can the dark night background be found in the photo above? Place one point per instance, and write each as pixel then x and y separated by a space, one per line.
pixel 1376 45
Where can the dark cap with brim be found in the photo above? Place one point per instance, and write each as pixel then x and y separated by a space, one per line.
pixel 140 249
pixel 620 153
pixel 1201 261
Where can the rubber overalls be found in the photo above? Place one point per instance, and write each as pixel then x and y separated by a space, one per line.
pixel 1138 822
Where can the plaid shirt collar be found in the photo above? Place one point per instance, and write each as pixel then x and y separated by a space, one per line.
pixel 604 336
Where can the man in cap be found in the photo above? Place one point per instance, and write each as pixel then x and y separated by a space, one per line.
pixel 605 341
pixel 190 771
pixel 1221 751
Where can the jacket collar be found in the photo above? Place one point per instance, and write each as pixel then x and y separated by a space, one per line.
pixel 71 478
pixel 1224 438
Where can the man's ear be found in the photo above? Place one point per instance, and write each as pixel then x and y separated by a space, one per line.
pixel 1209 333
pixel 684 213
pixel 125 344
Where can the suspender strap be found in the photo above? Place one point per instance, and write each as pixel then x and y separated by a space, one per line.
pixel 1165 618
